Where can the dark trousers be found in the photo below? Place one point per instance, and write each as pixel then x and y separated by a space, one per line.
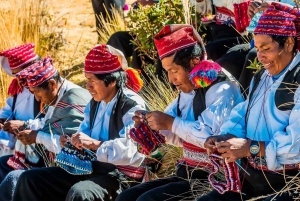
pixel 100 5
pixel 4 168
pixel 54 183
pixel 255 185
pixel 172 189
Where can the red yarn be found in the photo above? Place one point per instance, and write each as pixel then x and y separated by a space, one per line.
pixel 134 81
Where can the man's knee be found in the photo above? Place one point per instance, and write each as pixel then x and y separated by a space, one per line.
pixel 85 190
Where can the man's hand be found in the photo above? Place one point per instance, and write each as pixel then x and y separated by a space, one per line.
pixel 138 117
pixel 13 126
pixel 211 142
pixel 1 126
pixel 63 140
pixel 27 136
pixel 81 140
pixel 234 149
pixel 256 6
pixel 159 120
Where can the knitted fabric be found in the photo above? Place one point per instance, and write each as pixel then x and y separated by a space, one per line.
pixel 20 56
pixel 148 139
pixel 224 176
pixel 242 19
pixel 37 74
pixel 75 161
pixel 276 22
pixel 174 37
pixel 254 22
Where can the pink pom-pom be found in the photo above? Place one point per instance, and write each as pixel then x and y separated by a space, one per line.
pixel 126 7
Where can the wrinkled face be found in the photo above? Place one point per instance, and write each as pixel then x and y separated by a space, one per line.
pixel 98 90
pixel 273 57
pixel 47 96
pixel 177 75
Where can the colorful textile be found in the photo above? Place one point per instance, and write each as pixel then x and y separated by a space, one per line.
pixel 37 74
pixel 104 59
pixel 275 21
pixel 148 139
pixel 20 56
pixel 175 37
pixel 195 156
pixel 75 161
pixel 293 11
pixel 242 19
pixel 254 22
pixel 132 172
pixel 205 73
pixel 224 176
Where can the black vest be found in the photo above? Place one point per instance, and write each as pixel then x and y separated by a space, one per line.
pixel 121 107
pixel 284 95
pixel 199 103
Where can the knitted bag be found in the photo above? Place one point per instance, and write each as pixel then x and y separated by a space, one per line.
pixel 75 161
pixel 224 176
pixel 148 139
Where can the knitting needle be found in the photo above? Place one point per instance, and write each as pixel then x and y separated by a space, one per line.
pixel 242 168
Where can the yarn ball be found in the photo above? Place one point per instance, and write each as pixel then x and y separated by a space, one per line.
pixel 205 73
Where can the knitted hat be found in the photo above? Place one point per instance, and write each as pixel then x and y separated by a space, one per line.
pixel 20 56
pixel 104 59
pixel 175 37
pixel 37 74
pixel 276 22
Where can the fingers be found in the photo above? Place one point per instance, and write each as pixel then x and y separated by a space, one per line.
pixel 223 147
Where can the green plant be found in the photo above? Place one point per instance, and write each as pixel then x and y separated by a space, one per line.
pixel 255 65
pixel 147 21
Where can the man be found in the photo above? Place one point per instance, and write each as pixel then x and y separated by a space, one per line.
pixel 65 103
pixel 263 131
pixel 13 115
pixel 107 121
pixel 195 115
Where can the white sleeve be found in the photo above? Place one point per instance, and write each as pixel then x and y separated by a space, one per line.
pixel 122 151
pixel 50 142
pixel 172 138
pixel 284 146
pixel 220 99
pixel 6 111
pixel 7 140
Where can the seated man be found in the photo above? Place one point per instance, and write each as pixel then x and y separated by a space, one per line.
pixel 65 103
pixel 107 121
pixel 263 131
pixel 196 114
pixel 13 61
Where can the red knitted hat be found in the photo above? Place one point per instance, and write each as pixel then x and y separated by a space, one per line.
pixel 20 56
pixel 174 37
pixel 276 22
pixel 37 74
pixel 104 59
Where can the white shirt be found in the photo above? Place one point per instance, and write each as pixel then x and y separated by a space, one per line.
pixel 219 99
pixel 279 129
pixel 120 151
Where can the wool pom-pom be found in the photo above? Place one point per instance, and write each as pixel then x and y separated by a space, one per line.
pixel 126 7
pixel 134 81
pixel 205 73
